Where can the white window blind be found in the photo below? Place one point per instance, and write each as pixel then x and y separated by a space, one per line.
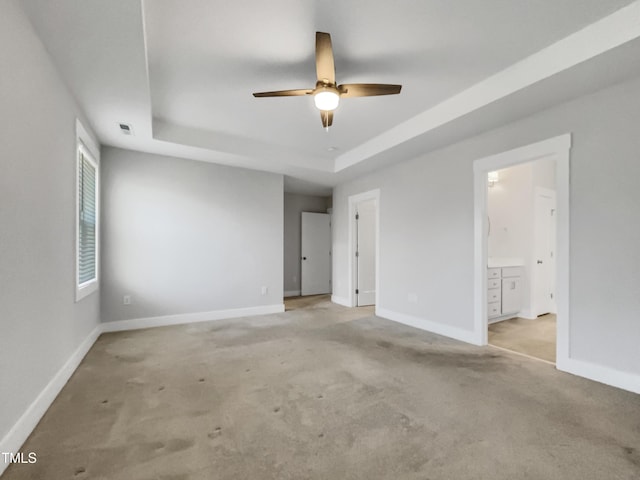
pixel 87 219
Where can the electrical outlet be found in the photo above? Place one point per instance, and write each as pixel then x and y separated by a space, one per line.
pixel 126 300
pixel 412 298
pixel 265 290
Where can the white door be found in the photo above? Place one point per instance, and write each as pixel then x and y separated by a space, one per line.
pixel 544 262
pixel 316 254
pixel 366 253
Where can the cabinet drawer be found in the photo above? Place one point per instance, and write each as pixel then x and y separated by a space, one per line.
pixel 493 309
pixel 493 283
pixel 493 295
pixel 493 273
pixel 508 272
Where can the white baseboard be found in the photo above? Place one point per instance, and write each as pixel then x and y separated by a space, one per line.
pixel 468 336
pixel 341 301
pixel 607 375
pixel 179 319
pixel 292 293
pixel 528 314
pixel 15 438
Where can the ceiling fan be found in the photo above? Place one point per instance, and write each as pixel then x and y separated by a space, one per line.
pixel 327 92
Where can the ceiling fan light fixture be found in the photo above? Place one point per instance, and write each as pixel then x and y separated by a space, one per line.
pixel 326 100
pixel 327 92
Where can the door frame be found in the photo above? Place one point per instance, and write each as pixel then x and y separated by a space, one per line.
pixel 559 148
pixel 353 201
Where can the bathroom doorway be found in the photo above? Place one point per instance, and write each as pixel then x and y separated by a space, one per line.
pixel 521 208
pixel 507 283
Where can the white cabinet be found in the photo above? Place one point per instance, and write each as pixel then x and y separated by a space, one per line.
pixel 511 290
pixel 494 310
pixel 504 291
pixel 511 295
pixel 494 292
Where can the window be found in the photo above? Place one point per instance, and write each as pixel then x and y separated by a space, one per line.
pixel 87 217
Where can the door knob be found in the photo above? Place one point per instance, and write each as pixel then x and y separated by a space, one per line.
pixel 539 262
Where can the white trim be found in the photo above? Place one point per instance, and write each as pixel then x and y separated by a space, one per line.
pixel 86 144
pixel 526 153
pixel 88 140
pixel 15 438
pixel 87 289
pixel 353 201
pixel 563 274
pixel 292 293
pixel 599 373
pixel 620 27
pixel 182 318
pixel 345 302
pixel 456 333
pixel 526 314
pixel 558 148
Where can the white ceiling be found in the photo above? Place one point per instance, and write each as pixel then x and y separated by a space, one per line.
pixel 182 72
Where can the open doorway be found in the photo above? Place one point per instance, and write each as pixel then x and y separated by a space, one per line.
pixel 295 206
pixel 521 216
pixel 509 272
pixel 364 242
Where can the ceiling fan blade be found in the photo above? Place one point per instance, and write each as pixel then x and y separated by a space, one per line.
pixel 327 118
pixel 284 93
pixel 325 67
pixel 368 89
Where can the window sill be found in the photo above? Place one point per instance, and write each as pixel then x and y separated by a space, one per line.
pixel 86 289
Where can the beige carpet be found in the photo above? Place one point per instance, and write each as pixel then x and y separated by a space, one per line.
pixel 536 338
pixel 326 392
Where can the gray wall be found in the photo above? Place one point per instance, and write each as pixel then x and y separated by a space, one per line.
pixel 182 236
pixel 426 225
pixel 40 323
pixel 294 205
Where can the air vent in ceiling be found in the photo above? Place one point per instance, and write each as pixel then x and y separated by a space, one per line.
pixel 126 129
